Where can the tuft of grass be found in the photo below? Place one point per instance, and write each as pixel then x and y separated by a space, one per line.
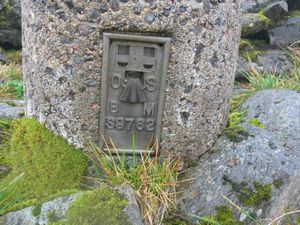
pixel 15 56
pixel 224 216
pixel 153 180
pixel 274 80
pixel 8 196
pixel 50 166
pixel 12 89
pixel 294 13
pixel 10 72
pixel 251 55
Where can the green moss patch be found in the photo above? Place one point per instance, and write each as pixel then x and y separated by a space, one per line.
pixel 36 211
pixel 256 122
pixel 251 196
pixel 251 55
pixel 91 207
pixel 47 163
pixel 277 183
pixel 223 216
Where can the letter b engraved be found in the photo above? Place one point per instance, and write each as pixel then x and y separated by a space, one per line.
pixel 114 106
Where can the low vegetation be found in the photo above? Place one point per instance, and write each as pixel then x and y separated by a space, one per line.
pixel 11 84
pixel 153 179
pixel 274 80
pixel 91 207
pixel 42 165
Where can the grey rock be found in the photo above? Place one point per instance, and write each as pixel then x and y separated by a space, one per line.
pixel 270 61
pixel 61 205
pixel 115 5
pixel 24 216
pixel 137 10
pixel 287 33
pixel 288 201
pixel 10 112
pixel 10 38
pixel 91 83
pixel 276 11
pixel 14 14
pixel 3 58
pixel 242 67
pixel 279 111
pixel 255 5
pixel 250 160
pixel 253 23
pixel 132 208
pixel 150 18
pixel 274 61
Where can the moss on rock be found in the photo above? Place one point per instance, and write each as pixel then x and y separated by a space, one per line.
pixel 223 216
pixel 91 207
pixel 257 123
pixel 250 196
pixel 254 23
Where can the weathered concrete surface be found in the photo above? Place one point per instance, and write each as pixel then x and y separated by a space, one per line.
pixel 62 59
pixel 270 154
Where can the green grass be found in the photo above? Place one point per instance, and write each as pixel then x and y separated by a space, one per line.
pixel 10 72
pixel 274 80
pixel 11 85
pixel 14 56
pixel 294 13
pixel 263 81
pixel 153 179
pixel 224 216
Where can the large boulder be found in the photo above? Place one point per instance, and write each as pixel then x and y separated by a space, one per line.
pixel 10 23
pixel 287 33
pixel 254 23
pixel 255 5
pixel 270 61
pixel 276 11
pixel 103 209
pixel 264 161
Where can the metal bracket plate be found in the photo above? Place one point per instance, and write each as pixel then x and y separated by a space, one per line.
pixel 133 91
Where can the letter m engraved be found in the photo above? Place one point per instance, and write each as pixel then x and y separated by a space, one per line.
pixel 148 109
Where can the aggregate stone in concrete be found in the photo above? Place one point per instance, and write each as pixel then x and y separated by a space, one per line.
pixel 65 38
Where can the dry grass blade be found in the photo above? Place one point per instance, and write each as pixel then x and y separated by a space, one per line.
pixel 154 180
